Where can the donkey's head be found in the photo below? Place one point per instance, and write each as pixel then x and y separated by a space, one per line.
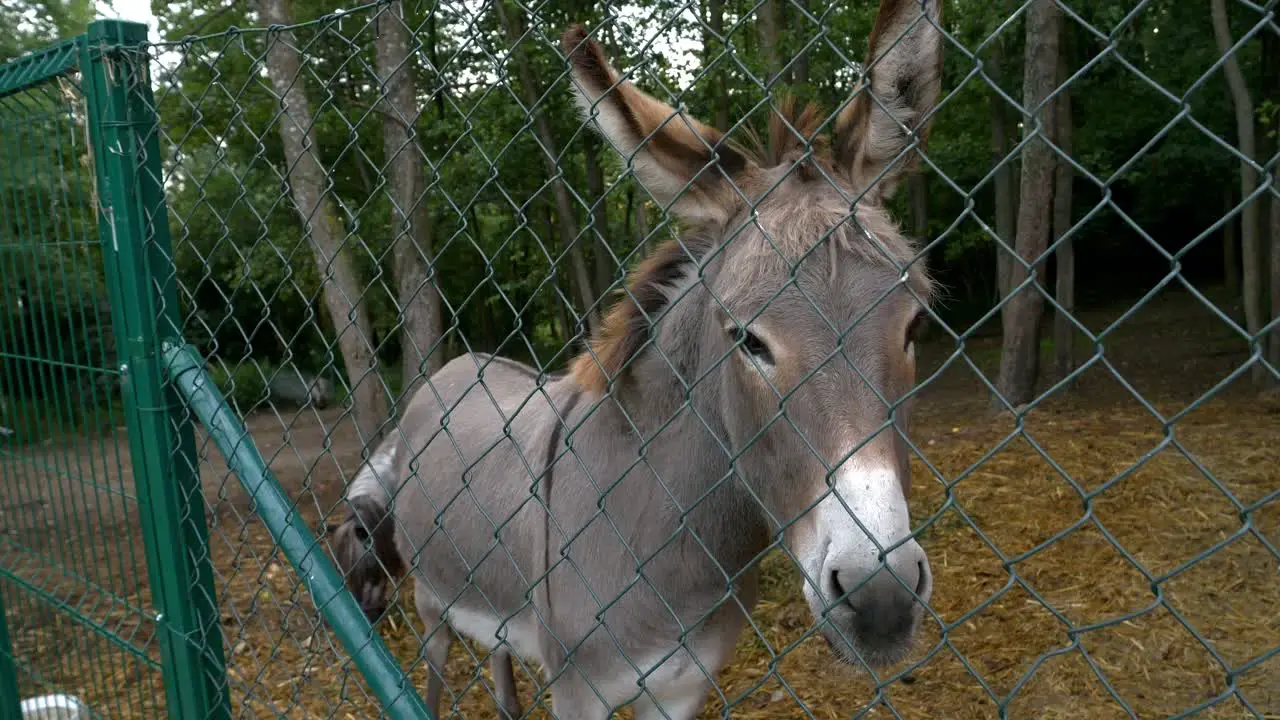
pixel 793 305
pixel 364 546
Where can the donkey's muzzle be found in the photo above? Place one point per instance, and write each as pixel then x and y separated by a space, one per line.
pixel 877 617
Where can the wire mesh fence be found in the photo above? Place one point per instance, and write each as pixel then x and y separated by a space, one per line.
pixel 667 460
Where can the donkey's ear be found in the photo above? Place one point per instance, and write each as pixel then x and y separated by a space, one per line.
pixel 895 100
pixel 681 161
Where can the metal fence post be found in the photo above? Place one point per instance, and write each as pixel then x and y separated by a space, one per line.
pixel 134 230
pixel 10 703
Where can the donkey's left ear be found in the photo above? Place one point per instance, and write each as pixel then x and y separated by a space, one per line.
pixel 895 101
pixel 682 162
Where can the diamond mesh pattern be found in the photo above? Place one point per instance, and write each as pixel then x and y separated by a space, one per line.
pixel 333 215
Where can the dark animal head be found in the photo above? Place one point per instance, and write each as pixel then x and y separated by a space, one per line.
pixel 364 546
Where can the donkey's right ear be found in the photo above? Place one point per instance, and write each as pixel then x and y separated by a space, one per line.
pixel 904 74
pixel 681 161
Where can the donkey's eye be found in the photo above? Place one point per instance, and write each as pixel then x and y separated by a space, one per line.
pixel 915 330
pixel 752 345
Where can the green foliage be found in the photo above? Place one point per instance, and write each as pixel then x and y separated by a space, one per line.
pixel 243 385
pixel 31 24
pixel 56 348
pixel 1146 99
pixel 1269 116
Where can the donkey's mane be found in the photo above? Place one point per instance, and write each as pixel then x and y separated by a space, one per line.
pixel 792 140
pixel 792 131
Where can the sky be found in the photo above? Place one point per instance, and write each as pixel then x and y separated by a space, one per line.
pixel 682 50
pixel 135 10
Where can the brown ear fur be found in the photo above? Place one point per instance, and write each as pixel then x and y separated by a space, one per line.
pixel 673 153
pixel 678 157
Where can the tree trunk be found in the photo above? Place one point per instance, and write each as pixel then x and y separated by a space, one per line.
pixel 412 246
pixel 1230 242
pixel 1271 88
pixel 1250 245
pixel 1064 332
pixel 715 9
pixel 642 224
pixel 627 217
pixel 1020 354
pixel 568 224
pixel 1006 203
pixel 767 20
pixel 1274 353
pixel 800 68
pixel 306 178
pixel 561 284
pixel 606 266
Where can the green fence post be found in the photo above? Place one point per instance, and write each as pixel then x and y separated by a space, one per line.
pixel 10 705
pixel 134 230
pixel 378 666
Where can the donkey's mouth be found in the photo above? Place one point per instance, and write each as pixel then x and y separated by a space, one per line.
pixel 878 653
pixel 879 636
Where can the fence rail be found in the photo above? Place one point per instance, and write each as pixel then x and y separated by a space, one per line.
pixel 290 532
pixel 248 253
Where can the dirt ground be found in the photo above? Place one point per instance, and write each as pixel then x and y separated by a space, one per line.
pixel 1116 558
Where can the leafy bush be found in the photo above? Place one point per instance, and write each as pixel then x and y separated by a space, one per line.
pixel 244 386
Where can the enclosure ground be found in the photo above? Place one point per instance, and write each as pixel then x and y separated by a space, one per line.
pixel 1079 597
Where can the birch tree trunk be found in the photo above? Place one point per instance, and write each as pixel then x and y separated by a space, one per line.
pixel 1273 353
pixel 307 180
pixel 800 68
pixel 1271 89
pixel 1006 201
pixel 767 22
pixel 605 266
pixel 918 195
pixel 416 293
pixel 1065 290
pixel 715 11
pixel 529 92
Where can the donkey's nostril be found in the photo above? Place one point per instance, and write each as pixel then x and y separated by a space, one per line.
pixel 837 589
pixel 924 584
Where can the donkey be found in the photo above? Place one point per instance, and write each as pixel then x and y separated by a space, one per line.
pixel 749 391
pixel 365 548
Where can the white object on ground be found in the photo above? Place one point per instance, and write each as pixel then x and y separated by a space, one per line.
pixel 54 707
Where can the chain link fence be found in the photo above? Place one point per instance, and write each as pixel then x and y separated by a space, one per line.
pixel 232 261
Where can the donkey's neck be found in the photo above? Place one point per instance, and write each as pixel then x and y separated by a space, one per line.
pixel 664 400
pixel 658 381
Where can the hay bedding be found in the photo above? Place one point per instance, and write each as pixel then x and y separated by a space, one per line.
pixel 1059 632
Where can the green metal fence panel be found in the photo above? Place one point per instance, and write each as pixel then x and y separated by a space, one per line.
pixel 76 589
pixel 134 227
pixel 107 166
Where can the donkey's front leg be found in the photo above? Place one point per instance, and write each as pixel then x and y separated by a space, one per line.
pixel 572 696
